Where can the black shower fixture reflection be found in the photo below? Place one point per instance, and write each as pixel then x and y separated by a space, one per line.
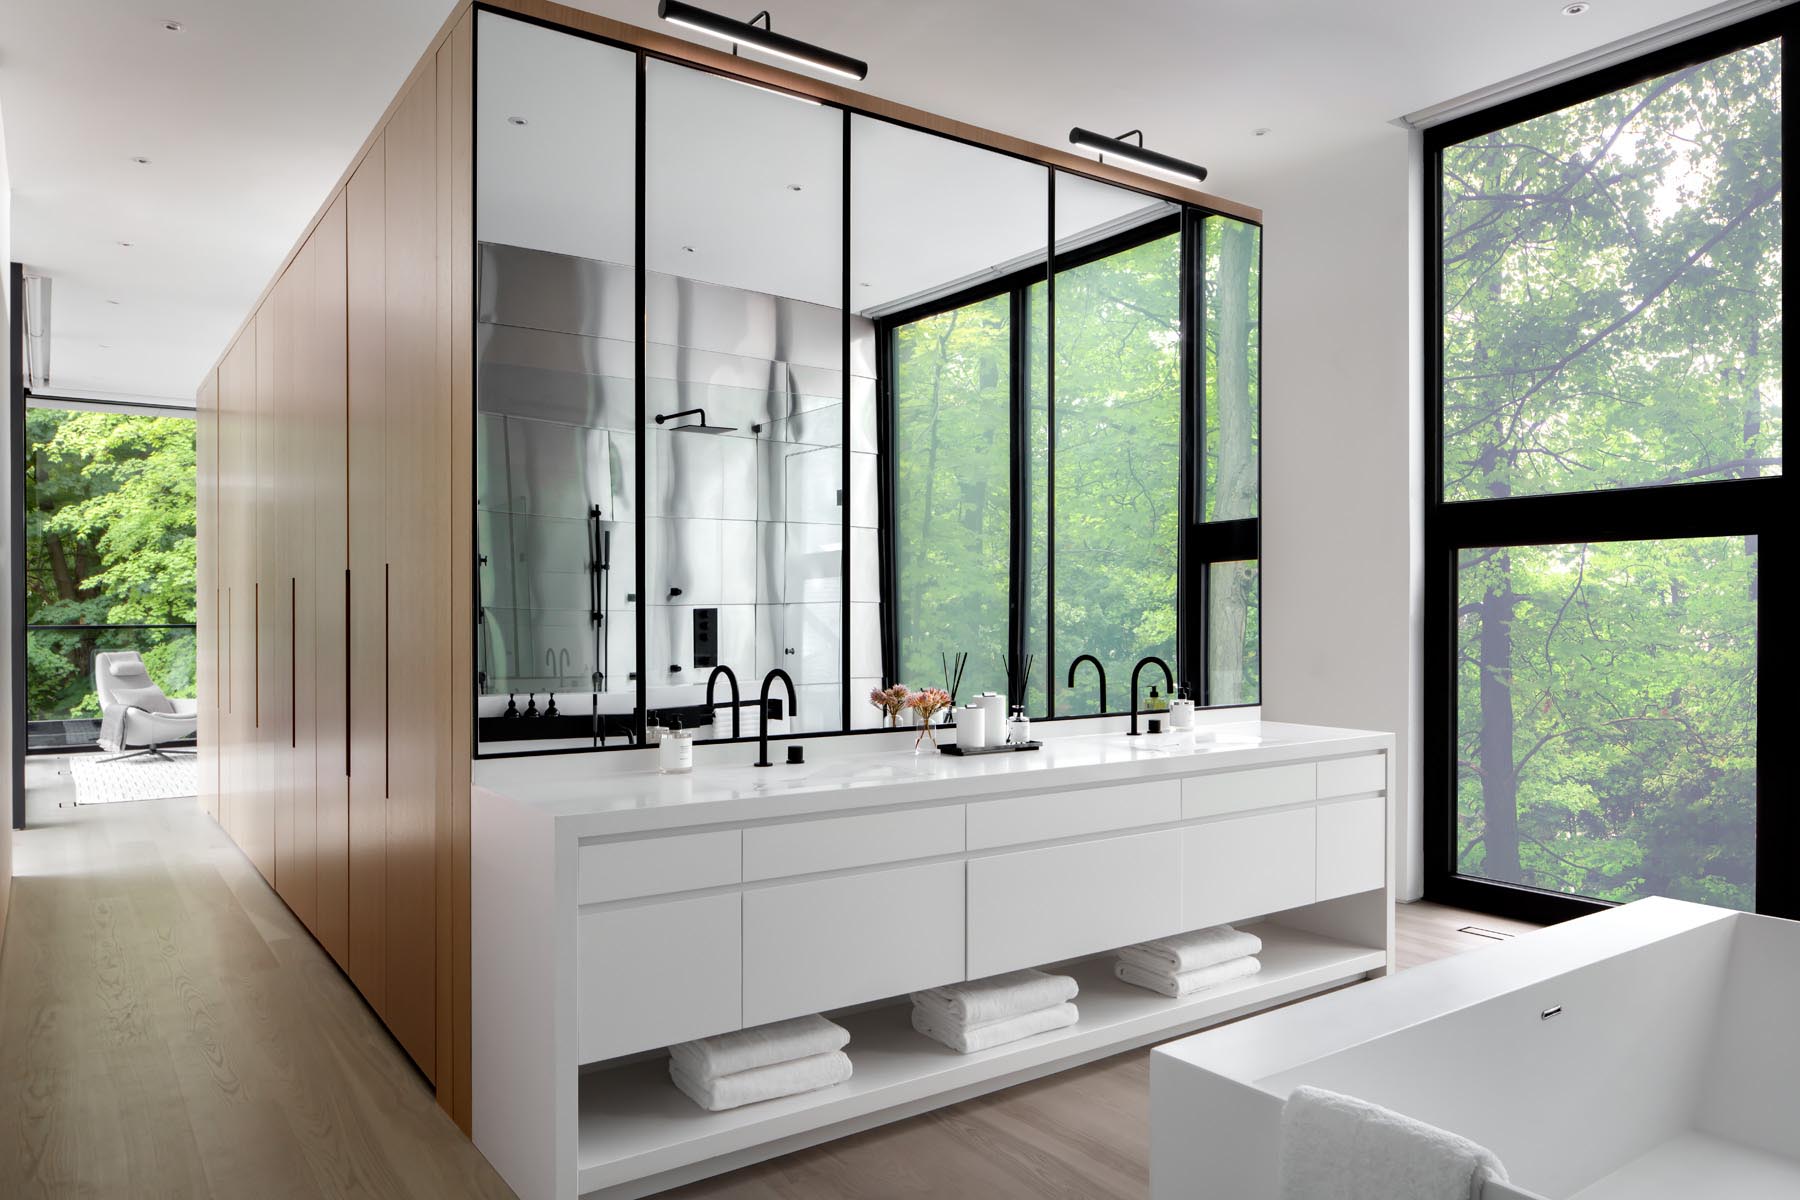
pixel 702 427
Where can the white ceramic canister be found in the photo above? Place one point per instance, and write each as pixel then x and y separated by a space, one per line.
pixel 994 709
pixel 1181 712
pixel 971 727
pixel 675 752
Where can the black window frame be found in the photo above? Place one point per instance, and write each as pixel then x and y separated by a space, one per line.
pixel 1736 507
pixel 1201 544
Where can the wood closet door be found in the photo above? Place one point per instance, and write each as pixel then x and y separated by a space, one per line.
pixel 368 584
pixel 297 860
pixel 206 589
pixel 237 575
pixel 329 630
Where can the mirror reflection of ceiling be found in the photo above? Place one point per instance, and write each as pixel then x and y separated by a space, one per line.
pixel 554 143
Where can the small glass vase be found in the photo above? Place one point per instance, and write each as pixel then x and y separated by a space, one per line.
pixel 927 733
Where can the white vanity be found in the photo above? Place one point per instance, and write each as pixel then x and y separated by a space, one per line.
pixel 619 911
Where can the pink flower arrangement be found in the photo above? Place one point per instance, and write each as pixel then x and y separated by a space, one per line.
pixel 928 704
pixel 890 701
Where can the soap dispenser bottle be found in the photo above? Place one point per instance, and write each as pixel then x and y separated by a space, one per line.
pixel 512 707
pixel 1018 729
pixel 550 708
pixel 531 708
pixel 675 752
pixel 1157 702
pixel 1181 710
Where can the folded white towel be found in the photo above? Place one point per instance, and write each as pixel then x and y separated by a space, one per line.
pixel 967 1039
pixel 1187 982
pixel 995 998
pixel 770 1082
pixel 1191 951
pixel 765 1045
pixel 1336 1147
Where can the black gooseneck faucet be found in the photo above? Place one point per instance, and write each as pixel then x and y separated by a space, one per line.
pixel 762 733
pixel 1098 669
pixel 1168 682
pixel 731 678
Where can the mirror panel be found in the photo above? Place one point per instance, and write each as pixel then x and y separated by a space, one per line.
pixel 555 443
pixel 745 367
pixel 942 234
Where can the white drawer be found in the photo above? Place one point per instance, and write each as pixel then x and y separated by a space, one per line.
pixel 814 946
pixel 1352 847
pixel 831 844
pixel 1240 791
pixel 1353 776
pixel 658 865
pixel 1246 867
pixel 656 974
pixel 1021 819
pixel 1039 906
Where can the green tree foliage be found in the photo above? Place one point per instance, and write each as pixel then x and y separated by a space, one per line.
pixel 109 540
pixel 1612 309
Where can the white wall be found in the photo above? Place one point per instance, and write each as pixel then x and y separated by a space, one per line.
pixel 1341 452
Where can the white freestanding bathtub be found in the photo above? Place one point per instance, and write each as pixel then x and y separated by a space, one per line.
pixel 1644 1053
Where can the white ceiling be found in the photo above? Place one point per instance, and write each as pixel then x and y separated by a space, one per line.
pixel 252 112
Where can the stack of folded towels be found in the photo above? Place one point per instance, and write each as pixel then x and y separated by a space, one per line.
pixel 783 1059
pixel 1190 962
pixel 984 1013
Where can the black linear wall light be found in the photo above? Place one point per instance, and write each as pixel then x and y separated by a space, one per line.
pixel 763 38
pixel 1136 155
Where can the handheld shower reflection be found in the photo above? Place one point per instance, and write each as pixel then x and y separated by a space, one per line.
pixel 702 427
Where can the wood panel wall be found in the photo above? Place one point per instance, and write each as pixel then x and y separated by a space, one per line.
pixel 334 483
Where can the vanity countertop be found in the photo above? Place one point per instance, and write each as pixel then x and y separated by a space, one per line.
pixel 587 796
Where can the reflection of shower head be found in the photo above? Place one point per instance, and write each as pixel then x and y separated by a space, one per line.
pixel 702 427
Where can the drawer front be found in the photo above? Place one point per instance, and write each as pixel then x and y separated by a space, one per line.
pixel 832 844
pixel 1352 847
pixel 1240 791
pixel 814 946
pixel 1020 819
pixel 656 866
pixel 1353 776
pixel 1039 906
pixel 656 974
pixel 1246 867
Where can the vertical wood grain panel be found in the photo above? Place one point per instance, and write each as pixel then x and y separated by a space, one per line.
pixel 255 831
pixel 459 181
pixel 237 570
pixel 298 480
pixel 328 418
pixel 418 569
pixel 366 291
pixel 207 588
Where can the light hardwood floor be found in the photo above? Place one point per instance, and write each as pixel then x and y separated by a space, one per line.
pixel 167 1028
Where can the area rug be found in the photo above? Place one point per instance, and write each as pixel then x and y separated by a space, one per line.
pixel 98 781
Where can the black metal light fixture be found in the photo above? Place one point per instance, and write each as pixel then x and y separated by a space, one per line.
pixel 761 37
pixel 1136 155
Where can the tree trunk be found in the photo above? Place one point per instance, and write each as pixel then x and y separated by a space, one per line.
pixel 1234 482
pixel 1499 778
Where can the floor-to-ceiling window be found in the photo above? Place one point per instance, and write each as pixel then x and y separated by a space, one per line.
pixel 1603 537
pixel 109 556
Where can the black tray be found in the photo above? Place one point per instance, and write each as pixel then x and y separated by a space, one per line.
pixel 963 752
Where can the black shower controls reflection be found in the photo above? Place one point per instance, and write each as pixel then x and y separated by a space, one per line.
pixel 731 678
pixel 762 715
pixel 1098 669
pixel 1168 682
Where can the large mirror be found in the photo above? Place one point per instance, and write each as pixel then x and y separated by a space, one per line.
pixel 556 457
pixel 744 405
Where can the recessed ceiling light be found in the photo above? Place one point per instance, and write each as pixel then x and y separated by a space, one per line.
pixel 689 249
pixel 794 187
pixel 112 301
pixel 517 121
pixel 140 160
pixel 864 283
pixel 1576 8
pixel 126 245
pixel 1260 131
pixel 173 26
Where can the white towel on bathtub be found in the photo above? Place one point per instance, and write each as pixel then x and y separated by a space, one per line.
pixel 807 1074
pixel 995 998
pixel 761 1046
pixel 1187 982
pixel 1192 951
pixel 1336 1147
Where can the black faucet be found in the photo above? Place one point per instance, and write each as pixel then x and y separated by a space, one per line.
pixel 762 733
pixel 1100 670
pixel 731 677
pixel 1168 682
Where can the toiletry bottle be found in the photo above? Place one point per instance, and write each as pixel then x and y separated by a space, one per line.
pixel 550 708
pixel 1018 730
pixel 675 753
pixel 1156 702
pixel 512 708
pixel 531 709
pixel 1181 710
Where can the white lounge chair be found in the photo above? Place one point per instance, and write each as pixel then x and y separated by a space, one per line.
pixel 134 712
